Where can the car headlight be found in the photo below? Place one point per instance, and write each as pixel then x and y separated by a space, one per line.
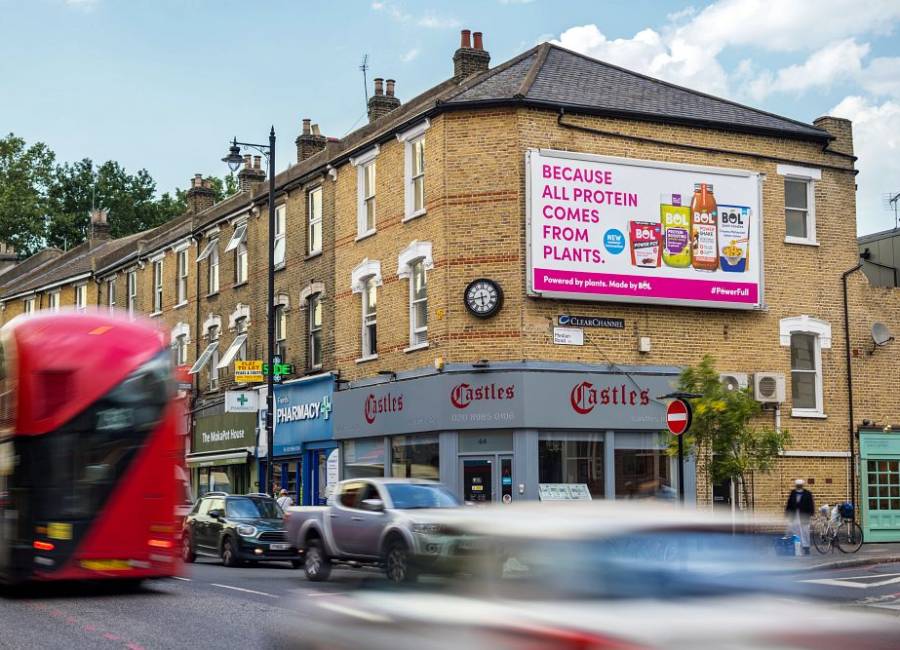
pixel 427 529
pixel 246 531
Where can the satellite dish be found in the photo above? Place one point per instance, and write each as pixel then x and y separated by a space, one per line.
pixel 881 335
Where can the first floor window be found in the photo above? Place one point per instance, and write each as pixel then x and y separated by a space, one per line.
pixel 418 303
pixel 53 301
pixel 28 305
pixel 806 372
pixel 81 297
pixel 111 293
pixel 280 234
pixel 797 208
pixel 572 458
pixel 314 307
pixel 369 317
pixel 238 347
pixel 241 263
pixel 132 291
pixel 281 332
pixel 213 361
pixel 157 286
pixel 181 349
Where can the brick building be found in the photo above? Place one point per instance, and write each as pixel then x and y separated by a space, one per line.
pixel 383 237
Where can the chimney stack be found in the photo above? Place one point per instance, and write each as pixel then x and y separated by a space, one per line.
pixel 201 195
pixel 251 174
pixel 380 103
pixel 310 141
pixel 470 59
pixel 99 225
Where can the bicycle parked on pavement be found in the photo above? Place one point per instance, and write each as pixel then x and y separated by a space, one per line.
pixel 836 527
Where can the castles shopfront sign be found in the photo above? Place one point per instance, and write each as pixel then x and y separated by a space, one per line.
pixel 502 400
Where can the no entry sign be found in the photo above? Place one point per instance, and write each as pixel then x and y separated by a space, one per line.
pixel 678 416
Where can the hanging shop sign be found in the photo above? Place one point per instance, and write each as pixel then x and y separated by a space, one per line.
pixel 241 401
pixel 624 230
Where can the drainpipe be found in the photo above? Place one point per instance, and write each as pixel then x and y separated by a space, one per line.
pixel 844 277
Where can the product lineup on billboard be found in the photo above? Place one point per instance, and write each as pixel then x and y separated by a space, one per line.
pixel 623 230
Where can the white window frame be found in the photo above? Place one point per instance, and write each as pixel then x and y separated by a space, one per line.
pixel 28 305
pixel 368 347
pixel 241 328
pixel 239 235
pixel 181 277
pixel 131 283
pixel 363 162
pixel 821 330
pixel 410 138
pixel 416 252
pixel 314 221
pixel 211 255
pixel 209 358
pixel 53 300
pixel 157 270
pixel 181 338
pixel 314 332
pixel 809 176
pixel 280 235
pixel 111 294
pixel 280 330
pixel 365 271
pixel 80 297
pixel 241 263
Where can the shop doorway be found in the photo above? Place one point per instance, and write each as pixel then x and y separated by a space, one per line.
pixel 487 479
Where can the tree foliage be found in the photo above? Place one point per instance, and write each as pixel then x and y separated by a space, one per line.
pixel 723 430
pixel 46 204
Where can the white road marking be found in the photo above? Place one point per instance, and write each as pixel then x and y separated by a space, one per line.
pixel 352 611
pixel 248 591
pixel 319 594
pixel 850 582
pixel 180 578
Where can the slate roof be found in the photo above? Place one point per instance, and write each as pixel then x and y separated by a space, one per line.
pixel 29 265
pixel 552 75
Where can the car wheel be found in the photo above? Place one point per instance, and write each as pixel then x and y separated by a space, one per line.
pixel 187 550
pixel 229 555
pixel 398 563
pixel 316 565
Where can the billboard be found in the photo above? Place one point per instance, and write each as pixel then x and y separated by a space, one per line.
pixel 625 230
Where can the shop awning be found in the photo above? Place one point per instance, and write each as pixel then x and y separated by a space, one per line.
pixel 225 458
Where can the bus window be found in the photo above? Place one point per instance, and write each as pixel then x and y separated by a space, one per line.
pixel 7 405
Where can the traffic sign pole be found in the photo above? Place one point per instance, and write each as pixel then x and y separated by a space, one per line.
pixel 681 469
pixel 678 419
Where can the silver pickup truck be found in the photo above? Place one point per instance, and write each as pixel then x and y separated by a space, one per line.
pixel 404 525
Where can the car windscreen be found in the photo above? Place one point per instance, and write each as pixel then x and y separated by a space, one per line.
pixel 410 496
pixel 247 508
pixel 665 564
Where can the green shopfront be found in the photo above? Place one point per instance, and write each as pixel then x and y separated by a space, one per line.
pixel 221 448
pixel 879 457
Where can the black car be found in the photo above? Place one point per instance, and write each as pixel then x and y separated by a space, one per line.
pixel 237 529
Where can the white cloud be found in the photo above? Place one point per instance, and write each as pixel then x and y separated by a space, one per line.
pixel 410 55
pixel 882 76
pixel 835 62
pixel 432 21
pixel 876 141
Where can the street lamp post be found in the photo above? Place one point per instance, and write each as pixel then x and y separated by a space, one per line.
pixel 234 160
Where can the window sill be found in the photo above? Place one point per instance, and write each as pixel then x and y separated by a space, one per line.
pixel 313 255
pixel 372 357
pixel 239 284
pixel 212 294
pixel 417 346
pixel 314 370
pixel 154 314
pixel 807 413
pixel 280 267
pixel 415 215
pixel 799 241
pixel 366 235
pixel 180 305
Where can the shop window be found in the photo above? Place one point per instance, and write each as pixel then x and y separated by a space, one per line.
pixel 314 233
pixel 642 474
pixel 572 458
pixel 415 457
pixel 363 458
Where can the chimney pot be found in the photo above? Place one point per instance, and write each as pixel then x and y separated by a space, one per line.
pixel 248 161
pixel 390 87
pixel 306 122
pixel 479 44
pixel 315 130
pixel 198 180
pixel 379 87
pixel 257 162
pixel 464 37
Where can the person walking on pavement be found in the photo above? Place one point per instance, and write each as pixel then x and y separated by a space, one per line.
pixel 284 500
pixel 799 509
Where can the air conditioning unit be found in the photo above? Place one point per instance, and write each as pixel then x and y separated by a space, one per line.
pixel 735 380
pixel 768 387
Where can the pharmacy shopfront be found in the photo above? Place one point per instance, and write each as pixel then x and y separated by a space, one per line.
pixel 515 430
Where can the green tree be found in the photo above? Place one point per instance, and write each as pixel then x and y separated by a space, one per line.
pixel 722 430
pixel 26 174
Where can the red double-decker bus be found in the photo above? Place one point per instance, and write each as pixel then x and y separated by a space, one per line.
pixel 89 449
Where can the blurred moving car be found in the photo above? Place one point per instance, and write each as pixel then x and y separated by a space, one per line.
pixel 591 576
pixel 238 529
pixel 400 524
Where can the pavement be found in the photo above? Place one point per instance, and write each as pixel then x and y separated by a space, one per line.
pixel 869 554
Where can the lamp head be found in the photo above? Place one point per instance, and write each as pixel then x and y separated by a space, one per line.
pixel 234 158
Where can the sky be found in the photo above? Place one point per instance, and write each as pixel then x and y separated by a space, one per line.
pixel 165 84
